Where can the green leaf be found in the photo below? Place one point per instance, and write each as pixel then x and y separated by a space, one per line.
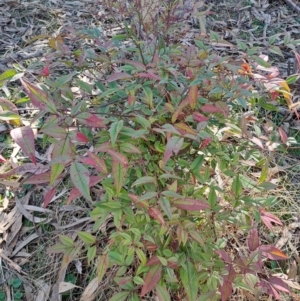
pixel 292 79
pixel 267 186
pixel 143 180
pixel 116 258
pixel 189 280
pixel 7 115
pixel 80 178
pixel 129 148
pixel 114 131
pixel 237 186
pixel 212 197
pixel 118 172
pixel 166 207
pixel 86 237
pixel 162 293
pixel 91 253
pixel 275 50
pixel 122 296
pixel 66 241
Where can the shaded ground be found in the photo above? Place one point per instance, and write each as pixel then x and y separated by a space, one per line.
pixel 26 28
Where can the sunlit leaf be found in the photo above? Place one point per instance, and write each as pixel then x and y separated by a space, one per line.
pixel 80 178
pixel 24 137
pixel 272 253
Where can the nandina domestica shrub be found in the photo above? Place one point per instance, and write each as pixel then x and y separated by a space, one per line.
pixel 166 131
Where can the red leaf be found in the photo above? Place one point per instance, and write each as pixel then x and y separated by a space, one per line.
pixel 199 117
pixel 279 284
pixel 137 203
pixel 149 75
pixel 174 145
pixel 90 119
pixel 81 138
pixel 224 256
pixel 253 240
pixel 205 142
pixel 45 71
pixel 272 253
pixel 153 261
pixel 24 168
pixel 2 159
pixel 283 135
pixel 24 137
pixel 118 75
pixel 208 108
pixel 38 179
pixel 49 196
pixel 190 204
pixel 151 279
pixel 155 213
pixel 267 218
pixel 226 287
pixel 75 193
pixel 120 158
pixel 38 97
pixel 99 163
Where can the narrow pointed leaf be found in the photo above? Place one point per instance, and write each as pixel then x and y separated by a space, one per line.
pixel 143 180
pixel 151 279
pixel 119 172
pixel 156 214
pixel 99 163
pixel 102 266
pixel 90 120
pixel 272 253
pixel 162 293
pixel 173 146
pixel 122 296
pixel 114 131
pixel 86 237
pixel 49 196
pixel 117 157
pixel 190 204
pixel 80 178
pixel 253 240
pixel 190 281
pixel 226 287
pixel 24 137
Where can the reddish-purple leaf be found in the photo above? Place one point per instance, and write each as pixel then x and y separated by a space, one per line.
pixel 153 261
pixel 269 288
pixel 272 253
pixel 99 163
pixel 269 218
pixel 49 196
pixel 117 157
pixel 190 204
pixel 118 75
pixel 2 159
pixel 45 71
pixel 151 279
pixel 81 138
pixel 226 287
pixel 149 75
pixel 8 105
pixel 61 148
pixel 90 120
pixel 136 64
pixel 208 108
pixel 38 97
pixel 137 203
pixel 199 117
pixel 104 147
pixel 23 169
pixel 38 179
pixel 279 284
pixel 156 214
pixel 224 256
pixel 174 145
pixel 257 142
pixel 75 193
pixel 24 137
pixel 80 178
pixel 178 111
pixel 253 240
pixel 283 135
